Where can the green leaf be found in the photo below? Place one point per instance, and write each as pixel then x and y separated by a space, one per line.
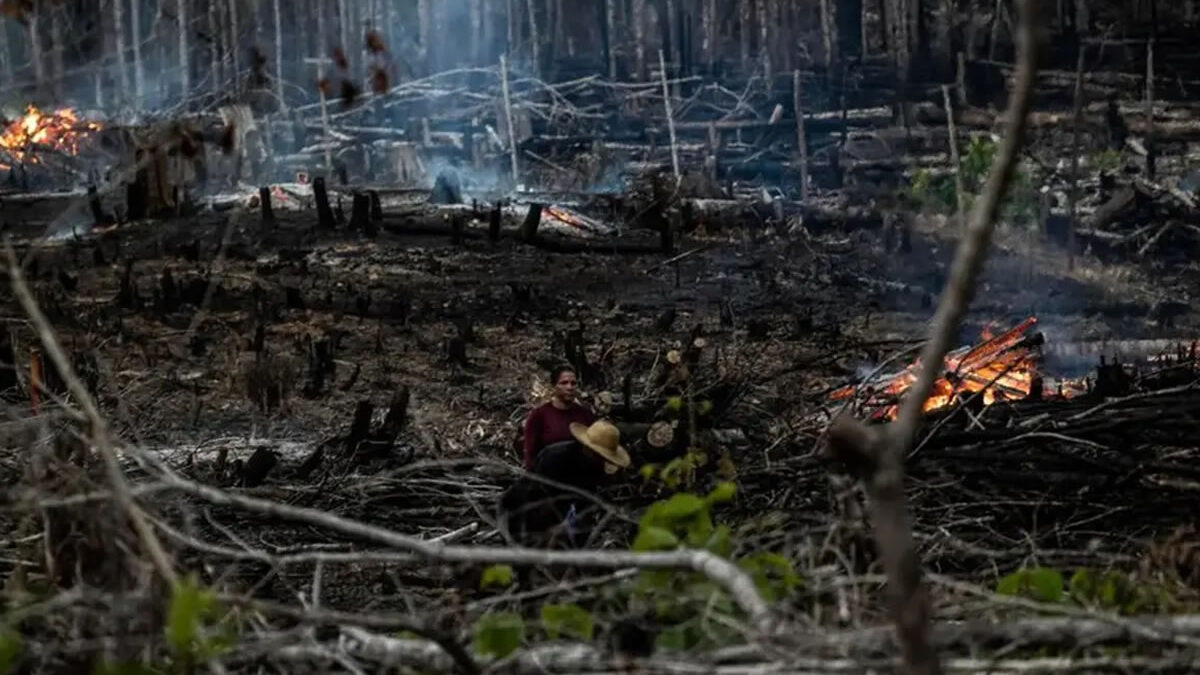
pixel 1047 583
pixel 1083 585
pixel 674 403
pixel 189 607
pixel 654 538
pixel 11 647
pixel 571 620
pixel 719 541
pixel 682 506
pixel 1039 583
pixel 699 529
pixel 496 575
pixel 647 471
pixel 677 638
pixel 723 492
pixel 499 634
pixel 705 407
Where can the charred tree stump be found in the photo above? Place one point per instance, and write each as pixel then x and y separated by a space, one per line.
pixel 665 321
pixel 321 367
pixel 256 469
pixel 446 189
pixel 376 206
pixel 293 299
pixel 529 228
pixel 324 212
pixel 135 197
pixel 494 224
pixel 168 293
pixel 264 203
pixel 9 386
pixel 127 295
pixel 360 214
pixel 260 339
pixel 396 418
pixel 457 229
pixel 311 463
pixel 667 237
pixel 360 427
pixel 465 328
pixel 456 351
pixel 99 217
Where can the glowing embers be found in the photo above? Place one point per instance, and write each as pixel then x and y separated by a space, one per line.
pixel 574 221
pixel 1003 367
pixel 37 132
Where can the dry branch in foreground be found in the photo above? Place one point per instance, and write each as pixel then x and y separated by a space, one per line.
pixel 878 456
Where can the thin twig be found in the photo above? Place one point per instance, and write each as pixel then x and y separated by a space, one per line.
pixel 122 496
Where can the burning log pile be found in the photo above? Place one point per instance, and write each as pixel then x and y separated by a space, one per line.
pixel 999 428
pixel 49 139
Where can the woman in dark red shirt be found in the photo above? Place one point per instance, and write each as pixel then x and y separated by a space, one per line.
pixel 551 422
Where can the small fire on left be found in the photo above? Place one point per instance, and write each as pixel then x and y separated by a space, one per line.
pixel 37 132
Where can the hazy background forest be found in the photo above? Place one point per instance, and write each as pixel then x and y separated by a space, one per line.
pixel 173 54
pixel 288 278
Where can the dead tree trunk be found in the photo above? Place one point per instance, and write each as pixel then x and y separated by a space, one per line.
pixel 638 20
pixel 610 28
pixel 214 49
pixel 279 54
pixel 849 21
pixel 185 80
pixel 36 52
pixel 745 12
pixel 234 46
pixel 764 42
pixel 139 68
pixel 425 28
pixel 708 25
pixel 827 39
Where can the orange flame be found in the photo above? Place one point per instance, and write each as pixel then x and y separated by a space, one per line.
pixel 37 131
pixel 1002 367
pixel 564 216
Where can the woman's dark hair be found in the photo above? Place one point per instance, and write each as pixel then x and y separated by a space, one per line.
pixel 558 372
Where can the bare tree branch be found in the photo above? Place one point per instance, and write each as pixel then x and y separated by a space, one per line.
pixel 737 583
pixel 122 495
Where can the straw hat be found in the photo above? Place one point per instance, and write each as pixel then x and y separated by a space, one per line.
pixel 604 439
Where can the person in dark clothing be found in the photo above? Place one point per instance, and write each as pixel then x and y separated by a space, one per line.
pixel 551 422
pixel 592 455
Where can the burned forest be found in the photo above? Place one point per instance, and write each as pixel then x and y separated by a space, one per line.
pixel 605 336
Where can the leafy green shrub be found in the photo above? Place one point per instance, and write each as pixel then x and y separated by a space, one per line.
pixel 936 193
pixel 1112 590
pixel 499 634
